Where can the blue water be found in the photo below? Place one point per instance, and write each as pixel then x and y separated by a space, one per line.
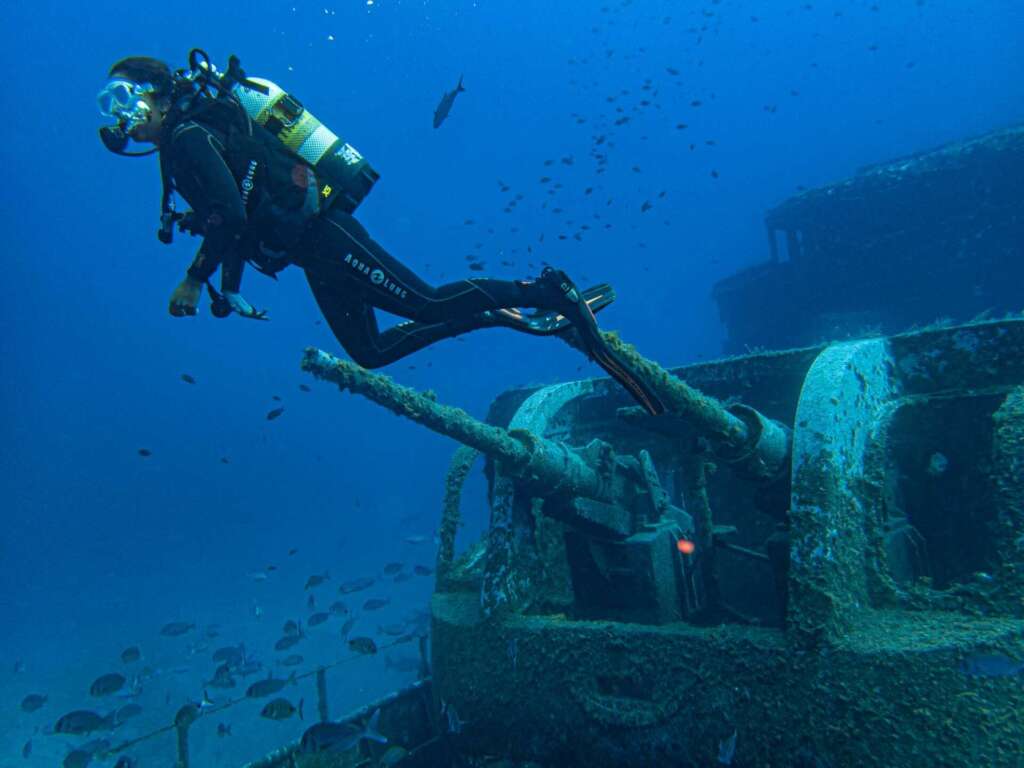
pixel 100 547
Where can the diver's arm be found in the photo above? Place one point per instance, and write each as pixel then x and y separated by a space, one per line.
pixel 205 181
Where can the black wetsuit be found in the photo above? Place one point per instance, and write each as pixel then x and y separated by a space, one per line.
pixel 350 274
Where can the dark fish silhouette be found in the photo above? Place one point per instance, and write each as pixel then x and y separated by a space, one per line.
pixel 129 655
pixel 317 579
pixel 176 628
pixel 107 684
pixel 446 104
pixel 287 642
pixel 84 721
pixel 318 618
pixel 363 645
pixel 188 379
pixel 269 686
pixel 32 702
pixel 339 737
pixel 281 709
pixel 356 585
pixel 77 758
pixel 271 415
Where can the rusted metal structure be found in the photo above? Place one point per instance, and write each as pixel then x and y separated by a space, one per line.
pixel 939 234
pixel 859 602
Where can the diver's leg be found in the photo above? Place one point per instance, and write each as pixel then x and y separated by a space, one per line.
pixel 388 284
pixel 354 324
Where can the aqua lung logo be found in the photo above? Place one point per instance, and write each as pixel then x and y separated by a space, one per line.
pixel 349 154
pixel 377 276
pixel 247 183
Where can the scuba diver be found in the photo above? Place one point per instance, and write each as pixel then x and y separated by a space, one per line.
pixel 269 185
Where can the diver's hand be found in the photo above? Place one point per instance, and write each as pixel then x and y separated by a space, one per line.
pixel 238 304
pixel 185 298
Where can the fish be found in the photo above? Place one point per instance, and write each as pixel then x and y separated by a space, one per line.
pixel 727 749
pixel 347 626
pixel 286 642
pixel 32 702
pixel 422 570
pixel 445 105
pixel 293 551
pixel 84 721
pixel 281 709
pixel 392 568
pixel 127 712
pixel 104 685
pixel 26 751
pixel 176 628
pixel 391 630
pixel 990 665
pixel 124 761
pixel 269 686
pixel 356 585
pixel 291 627
pixel 222 677
pixel 339 737
pixel 291 661
pixel 77 758
pixel 318 618
pixel 145 452
pixel 233 655
pixel 646 206
pixel 188 379
pixel 375 603
pixel 311 602
pixel 271 415
pixel 304 388
pixel 364 645
pixel 223 730
pixel 317 579
pixel 338 607
pixel 131 654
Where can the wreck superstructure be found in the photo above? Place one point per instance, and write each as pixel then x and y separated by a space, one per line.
pixel 938 234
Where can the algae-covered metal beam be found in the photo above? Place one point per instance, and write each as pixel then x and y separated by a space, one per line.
pixel 546 467
pixel 750 443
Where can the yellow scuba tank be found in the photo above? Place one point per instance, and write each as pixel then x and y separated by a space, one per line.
pixel 343 174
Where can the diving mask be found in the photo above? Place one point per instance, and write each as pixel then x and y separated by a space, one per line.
pixel 122 100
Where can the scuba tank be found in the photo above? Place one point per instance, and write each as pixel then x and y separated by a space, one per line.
pixel 344 175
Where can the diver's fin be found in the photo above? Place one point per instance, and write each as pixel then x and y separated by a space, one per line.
pixel 579 313
pixel 547 323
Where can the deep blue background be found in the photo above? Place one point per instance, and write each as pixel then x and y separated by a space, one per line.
pixel 100 546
